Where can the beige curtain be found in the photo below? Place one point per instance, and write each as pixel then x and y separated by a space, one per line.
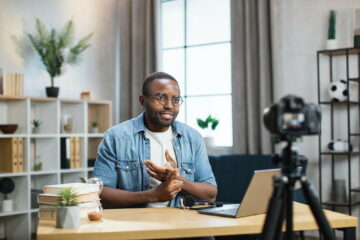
pixel 251 74
pixel 138 51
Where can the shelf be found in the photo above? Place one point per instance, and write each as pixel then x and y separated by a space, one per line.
pixel 13 135
pixel 75 170
pixel 4 174
pixel 338 103
pixel 34 173
pixel 339 153
pixel 340 52
pixel 95 135
pixel 43 135
pixel 2 214
pixel 44 147
pixel 340 204
pixel 356 189
pixel 72 135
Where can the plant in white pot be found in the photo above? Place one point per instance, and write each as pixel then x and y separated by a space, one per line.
pixel 56 49
pixel 7 185
pixel 68 211
pixel 207 124
pixel 331 42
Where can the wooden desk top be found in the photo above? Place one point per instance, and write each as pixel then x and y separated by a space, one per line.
pixel 156 223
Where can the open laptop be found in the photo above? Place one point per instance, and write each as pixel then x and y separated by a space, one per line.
pixel 255 200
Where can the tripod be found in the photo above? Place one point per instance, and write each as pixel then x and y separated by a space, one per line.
pixel 281 203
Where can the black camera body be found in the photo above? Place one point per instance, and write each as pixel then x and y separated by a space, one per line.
pixel 293 117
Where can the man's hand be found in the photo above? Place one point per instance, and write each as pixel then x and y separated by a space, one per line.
pixel 162 173
pixel 167 190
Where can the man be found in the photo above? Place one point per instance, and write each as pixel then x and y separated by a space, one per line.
pixel 147 161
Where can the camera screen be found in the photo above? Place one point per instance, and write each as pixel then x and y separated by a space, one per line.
pixel 293 121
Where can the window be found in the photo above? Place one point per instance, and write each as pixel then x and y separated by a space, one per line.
pixel 196 51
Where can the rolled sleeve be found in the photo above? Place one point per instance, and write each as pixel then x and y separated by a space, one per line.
pixel 105 161
pixel 203 171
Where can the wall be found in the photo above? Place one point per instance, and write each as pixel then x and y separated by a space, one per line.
pixel 299 30
pixel 97 71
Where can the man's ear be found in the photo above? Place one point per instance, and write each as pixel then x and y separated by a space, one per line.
pixel 142 100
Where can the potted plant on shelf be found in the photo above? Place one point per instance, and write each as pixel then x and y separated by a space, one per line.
pixel 56 49
pixel 36 125
pixel 68 211
pixel 331 42
pixel 94 127
pixel 7 186
pixel 207 124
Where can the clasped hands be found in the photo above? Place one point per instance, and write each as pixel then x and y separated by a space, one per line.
pixel 169 186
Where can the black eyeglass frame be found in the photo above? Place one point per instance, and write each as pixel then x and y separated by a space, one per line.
pixel 166 99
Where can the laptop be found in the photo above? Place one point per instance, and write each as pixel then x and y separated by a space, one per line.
pixel 255 200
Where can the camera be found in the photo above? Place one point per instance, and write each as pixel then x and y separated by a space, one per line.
pixel 292 117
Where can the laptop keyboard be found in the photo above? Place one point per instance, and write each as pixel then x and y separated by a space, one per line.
pixel 229 211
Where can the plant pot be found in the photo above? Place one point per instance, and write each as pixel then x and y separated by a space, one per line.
pixel 94 130
pixel 209 142
pixel 7 205
pixel 52 92
pixel 36 130
pixel 331 44
pixel 68 217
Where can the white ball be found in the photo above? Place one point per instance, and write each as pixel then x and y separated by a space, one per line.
pixel 338 91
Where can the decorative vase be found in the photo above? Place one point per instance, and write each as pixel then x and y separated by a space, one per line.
pixel 36 130
pixel 331 44
pixel 94 130
pixel 209 142
pixel 68 217
pixel 7 205
pixel 52 91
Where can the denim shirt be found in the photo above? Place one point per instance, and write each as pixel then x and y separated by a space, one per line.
pixel 121 154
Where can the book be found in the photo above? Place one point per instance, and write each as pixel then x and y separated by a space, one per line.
pixel 51 198
pixel 48 212
pixel 79 188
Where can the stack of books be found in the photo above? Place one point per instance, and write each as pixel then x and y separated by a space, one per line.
pixel 11 84
pixel 87 197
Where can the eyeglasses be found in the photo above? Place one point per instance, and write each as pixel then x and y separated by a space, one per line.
pixel 163 99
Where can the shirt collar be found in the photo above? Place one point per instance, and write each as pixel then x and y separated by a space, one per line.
pixel 139 125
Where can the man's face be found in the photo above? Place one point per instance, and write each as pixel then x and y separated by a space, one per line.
pixel 160 110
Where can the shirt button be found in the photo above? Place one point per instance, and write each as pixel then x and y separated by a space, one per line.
pixel 127 167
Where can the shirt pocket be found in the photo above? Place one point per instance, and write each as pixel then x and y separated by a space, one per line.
pixel 188 170
pixel 128 174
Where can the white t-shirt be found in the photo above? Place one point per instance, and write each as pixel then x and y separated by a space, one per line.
pixel 159 143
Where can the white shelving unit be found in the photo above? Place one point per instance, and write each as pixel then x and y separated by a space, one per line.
pixel 22 222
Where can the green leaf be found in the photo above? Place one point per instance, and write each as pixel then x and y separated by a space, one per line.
pixel 202 124
pixel 215 123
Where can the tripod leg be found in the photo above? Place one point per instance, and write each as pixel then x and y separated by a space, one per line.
pixel 289 211
pixel 274 216
pixel 313 201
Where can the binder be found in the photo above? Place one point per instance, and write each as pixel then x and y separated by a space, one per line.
pixel 9 155
pixel 20 154
pixel 65 153
pixel 77 152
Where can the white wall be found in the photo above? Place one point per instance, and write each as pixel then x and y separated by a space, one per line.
pixel 95 73
pixel 299 30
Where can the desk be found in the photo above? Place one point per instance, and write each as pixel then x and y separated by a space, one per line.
pixel 157 223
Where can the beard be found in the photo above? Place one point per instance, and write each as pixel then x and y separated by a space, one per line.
pixel 163 118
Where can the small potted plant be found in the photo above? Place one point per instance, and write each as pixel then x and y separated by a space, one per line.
pixel 207 124
pixel 94 127
pixel 36 125
pixel 331 42
pixel 7 186
pixel 68 211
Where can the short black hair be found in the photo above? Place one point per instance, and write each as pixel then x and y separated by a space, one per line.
pixel 153 76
